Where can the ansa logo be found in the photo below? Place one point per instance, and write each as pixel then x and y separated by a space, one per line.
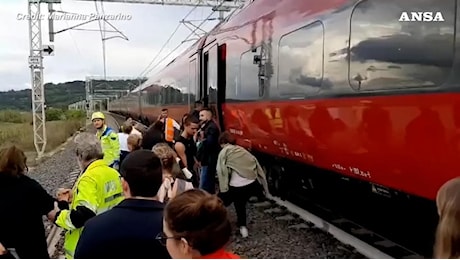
pixel 421 17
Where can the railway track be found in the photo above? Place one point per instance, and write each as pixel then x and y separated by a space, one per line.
pixel 366 242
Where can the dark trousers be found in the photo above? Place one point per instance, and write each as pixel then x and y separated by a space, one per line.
pixel 239 196
pixel 208 179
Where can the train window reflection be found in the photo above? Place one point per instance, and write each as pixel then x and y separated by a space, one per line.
pixel 248 87
pixel 386 53
pixel 301 59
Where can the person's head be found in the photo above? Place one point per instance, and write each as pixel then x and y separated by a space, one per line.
pixel 226 138
pixel 98 119
pixel 13 161
pixel 195 224
pixel 184 117
pixel 88 149
pixel 167 157
pixel 205 115
pixel 191 125
pixel 198 105
pixel 134 142
pixel 164 113
pixel 447 243
pixel 127 128
pixel 141 174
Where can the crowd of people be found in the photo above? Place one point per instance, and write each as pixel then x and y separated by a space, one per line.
pixel 145 194
pixel 155 193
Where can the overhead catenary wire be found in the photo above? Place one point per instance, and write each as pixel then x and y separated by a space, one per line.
pixel 145 72
pixel 185 40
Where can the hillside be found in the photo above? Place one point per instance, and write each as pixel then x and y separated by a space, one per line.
pixel 57 95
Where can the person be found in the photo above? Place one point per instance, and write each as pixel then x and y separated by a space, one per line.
pixel 153 135
pixel 196 110
pixel 447 239
pixel 208 150
pixel 196 225
pixel 133 124
pixel 240 176
pixel 126 230
pixel 23 202
pixel 170 126
pixel 134 142
pixel 109 140
pixel 175 181
pixel 97 190
pixel 185 146
pixel 123 139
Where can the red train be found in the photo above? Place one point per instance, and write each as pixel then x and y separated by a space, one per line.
pixel 344 86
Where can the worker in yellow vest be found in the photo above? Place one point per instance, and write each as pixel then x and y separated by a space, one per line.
pixel 97 190
pixel 171 127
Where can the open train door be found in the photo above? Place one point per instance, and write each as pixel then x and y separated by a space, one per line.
pixel 214 80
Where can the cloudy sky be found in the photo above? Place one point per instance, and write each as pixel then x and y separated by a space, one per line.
pixel 79 53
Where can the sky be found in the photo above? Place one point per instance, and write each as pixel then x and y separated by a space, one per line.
pixel 78 53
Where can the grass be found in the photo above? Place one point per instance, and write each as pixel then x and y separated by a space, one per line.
pixel 21 134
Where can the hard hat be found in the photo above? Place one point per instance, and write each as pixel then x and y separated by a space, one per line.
pixel 97 115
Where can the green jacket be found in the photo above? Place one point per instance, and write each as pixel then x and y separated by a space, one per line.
pixel 98 189
pixel 235 159
pixel 110 145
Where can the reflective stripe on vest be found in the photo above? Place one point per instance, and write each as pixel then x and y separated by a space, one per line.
pixel 169 130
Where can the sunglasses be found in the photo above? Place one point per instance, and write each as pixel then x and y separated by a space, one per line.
pixel 162 238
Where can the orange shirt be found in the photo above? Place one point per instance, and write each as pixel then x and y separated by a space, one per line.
pixel 220 254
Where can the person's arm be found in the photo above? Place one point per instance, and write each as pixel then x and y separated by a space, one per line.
pixel 46 203
pixel 180 150
pixel 86 201
pixel 222 171
pixel 114 153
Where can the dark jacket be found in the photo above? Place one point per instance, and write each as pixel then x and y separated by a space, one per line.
pixel 127 231
pixel 209 147
pixel 23 203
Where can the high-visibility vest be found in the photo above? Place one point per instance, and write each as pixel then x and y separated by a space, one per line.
pixel 169 130
pixel 110 145
pixel 98 189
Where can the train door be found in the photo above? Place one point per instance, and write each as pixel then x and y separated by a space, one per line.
pixel 213 90
pixel 194 86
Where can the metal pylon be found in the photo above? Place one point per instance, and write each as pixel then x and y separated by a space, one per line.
pixel 36 70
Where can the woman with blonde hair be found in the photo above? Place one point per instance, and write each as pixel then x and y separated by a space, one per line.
pixel 174 180
pixel 24 202
pixel 447 243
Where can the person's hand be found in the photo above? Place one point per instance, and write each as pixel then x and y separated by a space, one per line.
pixel 2 250
pixel 64 194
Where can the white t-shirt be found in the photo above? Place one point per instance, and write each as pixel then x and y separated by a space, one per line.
pixel 135 131
pixel 237 181
pixel 123 140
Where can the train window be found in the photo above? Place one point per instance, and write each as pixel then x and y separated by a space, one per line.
pixel 248 85
pixel 211 68
pixel 301 59
pixel 192 81
pixel 398 44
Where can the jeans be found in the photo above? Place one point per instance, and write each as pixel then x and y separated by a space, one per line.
pixel 207 179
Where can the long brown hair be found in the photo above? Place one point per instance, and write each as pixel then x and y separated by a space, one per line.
pixel 447 243
pixel 13 161
pixel 200 218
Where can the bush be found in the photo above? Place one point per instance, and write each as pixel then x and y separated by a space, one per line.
pixel 75 114
pixel 54 114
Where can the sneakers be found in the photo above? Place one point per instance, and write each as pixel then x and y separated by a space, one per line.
pixel 244 231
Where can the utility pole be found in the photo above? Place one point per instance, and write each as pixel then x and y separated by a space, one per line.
pixel 36 72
